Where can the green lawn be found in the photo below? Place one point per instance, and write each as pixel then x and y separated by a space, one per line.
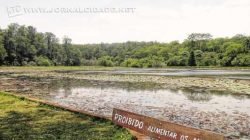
pixel 21 119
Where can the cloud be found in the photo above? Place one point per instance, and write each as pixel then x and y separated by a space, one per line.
pixel 161 20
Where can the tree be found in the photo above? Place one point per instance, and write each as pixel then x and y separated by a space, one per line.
pixel 174 61
pixel 156 61
pixel 31 35
pixel 191 60
pixel 23 45
pixel 72 54
pixel 40 44
pixel 3 53
pixel 231 51
pixel 199 36
pixel 198 57
pixel 25 51
pixel 208 59
pixel 198 40
pixel 10 44
pixel 51 42
pixel 241 60
pixel 247 44
pixel 66 45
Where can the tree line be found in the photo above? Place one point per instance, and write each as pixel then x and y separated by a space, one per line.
pixel 25 46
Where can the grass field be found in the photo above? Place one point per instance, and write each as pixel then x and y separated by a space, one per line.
pixel 21 119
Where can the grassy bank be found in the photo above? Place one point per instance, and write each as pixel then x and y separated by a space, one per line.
pixel 22 119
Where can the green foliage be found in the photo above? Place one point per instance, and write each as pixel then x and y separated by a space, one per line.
pixel 199 57
pixel 151 61
pixel 177 61
pixel 132 63
pixel 174 61
pixel 21 45
pixel 209 59
pixel 247 44
pixel 154 61
pixel 3 53
pixel 191 60
pixel 241 60
pixel 105 61
pixel 43 61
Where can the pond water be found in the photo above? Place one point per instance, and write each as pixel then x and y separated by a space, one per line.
pixel 216 111
pixel 145 94
pixel 236 74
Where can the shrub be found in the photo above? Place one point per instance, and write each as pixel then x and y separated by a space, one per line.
pixel 43 61
pixel 174 61
pixel 31 63
pixel 131 62
pixel 241 60
pixel 105 61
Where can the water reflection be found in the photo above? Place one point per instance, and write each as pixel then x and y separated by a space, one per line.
pixel 196 96
pixel 127 86
pixel 192 94
pixel 104 94
pixel 235 74
pixel 101 94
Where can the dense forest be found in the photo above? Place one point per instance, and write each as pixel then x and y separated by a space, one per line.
pixel 24 46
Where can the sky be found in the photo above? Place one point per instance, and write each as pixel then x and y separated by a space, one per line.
pixel 146 20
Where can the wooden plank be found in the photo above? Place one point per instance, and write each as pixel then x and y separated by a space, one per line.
pixel 161 130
